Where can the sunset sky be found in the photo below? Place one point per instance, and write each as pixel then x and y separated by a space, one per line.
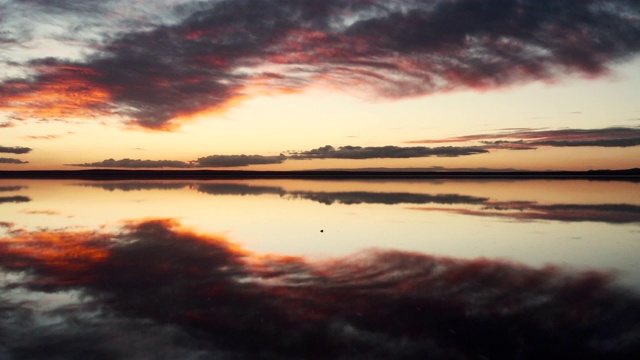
pixel 320 84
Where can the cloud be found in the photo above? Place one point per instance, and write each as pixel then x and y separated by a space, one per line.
pixel 14 199
pixel 42 137
pixel 207 54
pixel 373 152
pixel 14 150
pixel 4 160
pixel 238 160
pixel 41 212
pixel 325 152
pixel 202 295
pixel 208 161
pixel 136 163
pixel 532 138
pixel 11 188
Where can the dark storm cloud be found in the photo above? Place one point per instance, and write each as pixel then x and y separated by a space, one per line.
pixel 532 138
pixel 4 160
pixel 203 296
pixel 382 152
pixel 14 149
pixel 14 199
pixel 531 211
pixel 238 160
pixel 220 50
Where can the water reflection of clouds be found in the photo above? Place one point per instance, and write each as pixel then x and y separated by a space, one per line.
pixel 530 211
pixel 154 283
pixel 516 210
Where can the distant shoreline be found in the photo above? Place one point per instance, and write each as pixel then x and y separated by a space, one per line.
pixel 110 174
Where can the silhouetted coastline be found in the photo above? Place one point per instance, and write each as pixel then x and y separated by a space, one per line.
pixel 112 174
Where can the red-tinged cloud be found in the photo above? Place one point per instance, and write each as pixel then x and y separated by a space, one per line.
pixel 527 139
pixel 201 296
pixel 213 53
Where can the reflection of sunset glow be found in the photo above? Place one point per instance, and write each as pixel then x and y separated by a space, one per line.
pixel 366 304
pixel 60 252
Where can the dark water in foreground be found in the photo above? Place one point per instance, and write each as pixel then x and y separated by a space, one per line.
pixel 319 269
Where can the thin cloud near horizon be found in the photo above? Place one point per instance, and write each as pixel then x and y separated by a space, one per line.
pixel 531 139
pixel 326 152
pixel 507 139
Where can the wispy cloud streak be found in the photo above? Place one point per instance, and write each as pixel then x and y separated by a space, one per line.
pixel 214 52
pixel 527 139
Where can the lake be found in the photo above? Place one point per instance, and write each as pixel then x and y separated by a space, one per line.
pixel 234 269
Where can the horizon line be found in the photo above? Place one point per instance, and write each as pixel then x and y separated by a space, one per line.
pixel 157 174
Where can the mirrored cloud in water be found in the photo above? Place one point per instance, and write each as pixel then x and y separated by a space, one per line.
pixel 478 205
pixel 201 295
pixel 530 211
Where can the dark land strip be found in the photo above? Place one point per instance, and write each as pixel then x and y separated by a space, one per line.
pixel 101 174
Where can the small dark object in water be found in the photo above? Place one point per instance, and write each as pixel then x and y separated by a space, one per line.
pixel 321 230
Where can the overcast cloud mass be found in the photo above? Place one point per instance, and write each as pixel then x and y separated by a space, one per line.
pixel 148 68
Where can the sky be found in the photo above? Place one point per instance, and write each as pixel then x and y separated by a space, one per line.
pixel 320 84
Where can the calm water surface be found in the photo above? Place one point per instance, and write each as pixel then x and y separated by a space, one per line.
pixel 319 269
